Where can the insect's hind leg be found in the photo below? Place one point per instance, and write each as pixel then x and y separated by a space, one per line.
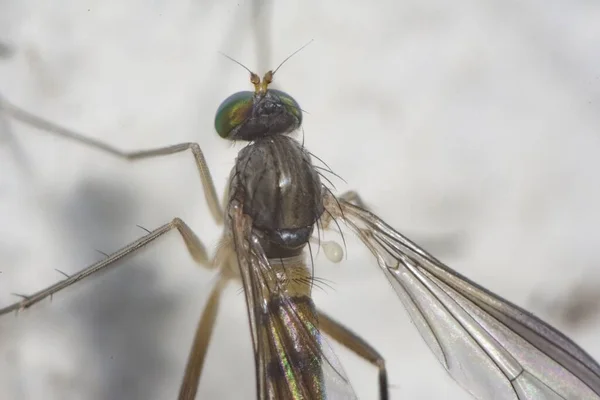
pixel 359 346
pixel 193 244
pixel 195 363
pixel 207 182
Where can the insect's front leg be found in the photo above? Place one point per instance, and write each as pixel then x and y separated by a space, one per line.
pixel 194 246
pixel 207 182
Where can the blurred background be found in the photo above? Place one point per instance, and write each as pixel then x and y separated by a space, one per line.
pixel 472 127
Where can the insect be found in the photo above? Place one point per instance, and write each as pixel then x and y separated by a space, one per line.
pixel 275 199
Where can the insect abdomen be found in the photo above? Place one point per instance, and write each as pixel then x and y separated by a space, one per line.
pixel 295 367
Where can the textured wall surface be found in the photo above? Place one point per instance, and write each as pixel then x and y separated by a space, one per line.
pixel 471 126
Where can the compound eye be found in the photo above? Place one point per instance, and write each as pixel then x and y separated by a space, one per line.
pixel 232 112
pixel 291 105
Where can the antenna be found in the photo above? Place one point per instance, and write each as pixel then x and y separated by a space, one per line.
pixel 291 55
pixel 268 78
pixel 261 86
pixel 254 78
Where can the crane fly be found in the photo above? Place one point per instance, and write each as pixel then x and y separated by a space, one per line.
pixel 274 200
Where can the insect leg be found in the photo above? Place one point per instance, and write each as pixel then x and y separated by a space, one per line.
pixel 195 363
pixel 193 244
pixel 207 182
pixel 359 346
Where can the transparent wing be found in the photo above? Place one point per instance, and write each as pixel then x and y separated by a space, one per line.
pixel 337 385
pixel 292 358
pixel 491 347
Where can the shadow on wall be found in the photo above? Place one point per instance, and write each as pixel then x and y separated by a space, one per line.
pixel 577 307
pixel 123 317
pixel 6 51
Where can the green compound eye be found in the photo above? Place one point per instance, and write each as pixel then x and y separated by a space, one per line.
pixel 252 115
pixel 232 112
pixel 290 104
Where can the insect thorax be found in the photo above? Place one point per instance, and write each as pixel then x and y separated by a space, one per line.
pixel 281 191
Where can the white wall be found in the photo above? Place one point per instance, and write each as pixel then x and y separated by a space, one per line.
pixel 469 125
